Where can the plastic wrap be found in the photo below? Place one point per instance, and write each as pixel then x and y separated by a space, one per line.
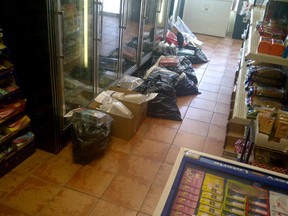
pixel 90 134
pixel 264 91
pixel 130 82
pixel 112 105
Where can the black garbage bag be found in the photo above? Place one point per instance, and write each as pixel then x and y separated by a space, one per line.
pixel 185 86
pixel 181 82
pixel 186 67
pixel 164 104
pixel 198 57
pixel 165 75
pixel 90 134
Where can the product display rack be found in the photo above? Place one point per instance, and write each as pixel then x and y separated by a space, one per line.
pixel 231 185
pixel 16 139
pixel 249 52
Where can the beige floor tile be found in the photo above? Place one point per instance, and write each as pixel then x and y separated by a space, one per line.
pixel 217 132
pixel 142 214
pixel 220 119
pixel 167 122
pixel 31 195
pixel 10 181
pixel 208 95
pixel 222 108
pixel 58 170
pixel 209 87
pixel 161 134
pixel 110 161
pixel 195 127
pixel 151 149
pixel 33 162
pixel 199 115
pixel 121 145
pixel 224 99
pixel 127 191
pixel 151 199
pixel 91 180
pixel 191 141
pixel 200 103
pixel 172 155
pixel 104 208
pixel 140 168
pixel 163 174
pixel 9 211
pixel 212 78
pixel 69 202
pixel 214 147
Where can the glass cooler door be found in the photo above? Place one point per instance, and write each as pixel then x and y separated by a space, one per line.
pixel 74 80
pixel 108 36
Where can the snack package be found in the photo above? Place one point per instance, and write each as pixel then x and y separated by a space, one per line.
pixel 277 47
pixel 264 45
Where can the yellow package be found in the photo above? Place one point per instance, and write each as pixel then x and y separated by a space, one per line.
pixel 213 184
pixel 209 210
pixel 212 196
pixel 211 203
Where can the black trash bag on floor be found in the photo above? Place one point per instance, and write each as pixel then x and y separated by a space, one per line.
pixel 182 84
pixel 185 86
pixel 165 75
pixel 199 57
pixel 164 104
pixel 90 134
pixel 186 67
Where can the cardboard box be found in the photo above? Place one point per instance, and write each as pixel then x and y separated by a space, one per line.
pixel 264 141
pixel 125 128
pixel 234 132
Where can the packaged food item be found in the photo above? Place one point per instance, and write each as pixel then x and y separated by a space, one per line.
pixel 277 47
pixel 264 45
pixel 266 122
pixel 209 210
pixel 211 203
pixel 266 91
pixel 281 125
pixel 170 61
pixel 213 184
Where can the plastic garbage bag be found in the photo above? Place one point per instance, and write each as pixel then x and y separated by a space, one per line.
pixel 181 82
pixel 198 56
pixel 90 134
pixel 164 104
pixel 185 86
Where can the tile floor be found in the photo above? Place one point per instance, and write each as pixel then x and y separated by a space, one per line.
pixel 128 180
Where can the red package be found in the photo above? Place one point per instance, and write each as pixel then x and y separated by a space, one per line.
pixel 277 47
pixel 264 45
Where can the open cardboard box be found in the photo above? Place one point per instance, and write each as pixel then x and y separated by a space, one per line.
pixel 263 140
pixel 125 128
pixel 234 132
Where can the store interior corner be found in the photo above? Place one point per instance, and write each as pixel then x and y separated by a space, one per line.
pixel 144 108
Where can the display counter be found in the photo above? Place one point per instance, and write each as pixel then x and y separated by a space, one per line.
pixel 202 184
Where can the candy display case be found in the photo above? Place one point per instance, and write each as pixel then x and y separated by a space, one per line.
pixel 202 184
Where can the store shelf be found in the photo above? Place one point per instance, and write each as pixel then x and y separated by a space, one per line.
pixel 240 107
pixel 253 40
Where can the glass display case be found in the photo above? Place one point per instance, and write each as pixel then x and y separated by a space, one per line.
pixel 202 184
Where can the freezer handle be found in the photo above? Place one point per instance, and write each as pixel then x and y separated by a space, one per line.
pixel 60 34
pixel 124 12
pixel 100 5
pixel 159 6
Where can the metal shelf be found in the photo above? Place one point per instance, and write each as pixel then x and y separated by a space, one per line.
pixel 253 40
